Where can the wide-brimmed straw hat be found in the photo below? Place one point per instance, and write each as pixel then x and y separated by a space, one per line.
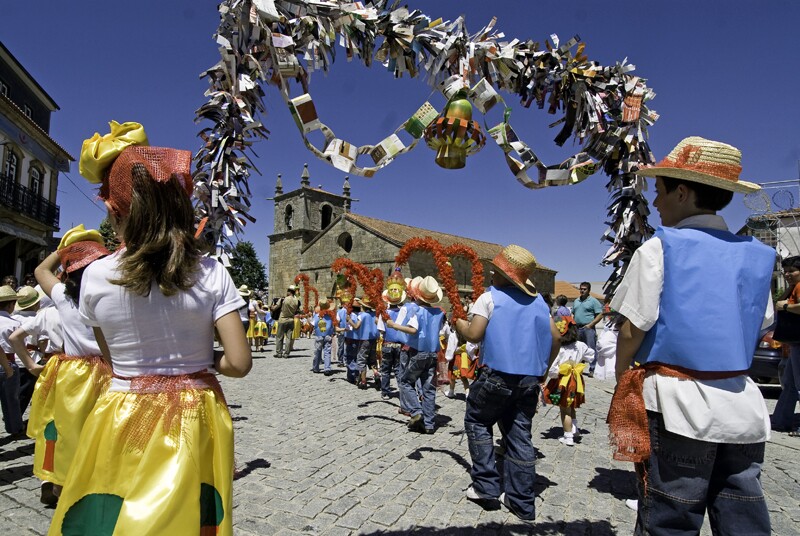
pixel 28 297
pixel 324 304
pixel 704 161
pixel 363 302
pixel 517 264
pixel 244 292
pixel 8 294
pixel 429 291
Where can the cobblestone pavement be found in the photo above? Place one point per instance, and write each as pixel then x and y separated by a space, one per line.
pixel 315 455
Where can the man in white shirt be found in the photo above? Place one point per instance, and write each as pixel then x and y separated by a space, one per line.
pixel 695 296
pixel 9 376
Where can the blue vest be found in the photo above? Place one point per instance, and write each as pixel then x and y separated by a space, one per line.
pixel 426 339
pixel 323 325
pixel 370 326
pixel 518 338
pixel 352 333
pixel 341 317
pixel 713 300
pixel 392 335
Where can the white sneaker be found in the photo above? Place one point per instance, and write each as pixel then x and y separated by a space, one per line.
pixel 450 394
pixel 568 441
pixel 575 430
pixel 473 495
pixel 633 504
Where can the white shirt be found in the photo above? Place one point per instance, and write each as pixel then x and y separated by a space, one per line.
pixel 158 334
pixel 731 410
pixel 79 338
pixel 483 306
pixel 401 316
pixel 8 326
pixel 577 352
pixel 46 325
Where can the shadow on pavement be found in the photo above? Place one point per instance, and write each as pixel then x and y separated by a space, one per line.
pixel 583 526
pixel 249 467
pixel 417 455
pixel 13 474
pixel 381 417
pixel 617 482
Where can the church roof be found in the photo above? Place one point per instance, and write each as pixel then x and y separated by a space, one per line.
pixel 398 234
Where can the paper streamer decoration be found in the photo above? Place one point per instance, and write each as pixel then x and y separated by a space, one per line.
pixel 282 42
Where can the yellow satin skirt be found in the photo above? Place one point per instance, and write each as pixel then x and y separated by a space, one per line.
pixel 63 398
pixel 251 329
pixel 152 463
pixel 296 328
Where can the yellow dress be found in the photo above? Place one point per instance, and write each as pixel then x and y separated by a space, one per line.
pixel 64 396
pixel 157 459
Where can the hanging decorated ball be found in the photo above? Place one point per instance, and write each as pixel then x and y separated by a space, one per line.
pixel 454 135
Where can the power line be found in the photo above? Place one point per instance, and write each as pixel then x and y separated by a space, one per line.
pixel 92 201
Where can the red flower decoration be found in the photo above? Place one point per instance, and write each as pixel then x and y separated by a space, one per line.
pixel 307 289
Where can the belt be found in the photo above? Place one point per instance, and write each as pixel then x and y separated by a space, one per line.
pixel 392 344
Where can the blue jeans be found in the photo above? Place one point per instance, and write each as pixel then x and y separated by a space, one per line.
pixel 686 477
pixel 420 366
pixel 350 354
pixel 322 347
pixel 390 363
pixel 340 349
pixel 508 400
pixel 366 355
pixel 9 401
pixel 783 416
pixel 589 336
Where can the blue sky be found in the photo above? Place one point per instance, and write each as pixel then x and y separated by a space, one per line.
pixel 722 70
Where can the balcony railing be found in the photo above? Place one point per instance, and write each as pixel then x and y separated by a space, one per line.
pixel 23 200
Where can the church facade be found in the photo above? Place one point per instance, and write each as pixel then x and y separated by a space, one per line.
pixel 313 227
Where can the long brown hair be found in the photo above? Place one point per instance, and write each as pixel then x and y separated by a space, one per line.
pixel 159 237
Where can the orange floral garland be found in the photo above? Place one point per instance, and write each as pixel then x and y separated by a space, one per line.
pixel 446 274
pixel 371 282
pixel 461 250
pixel 307 290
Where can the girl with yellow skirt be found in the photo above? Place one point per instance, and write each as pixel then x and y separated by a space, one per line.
pixel 565 387
pixel 157 451
pixel 70 383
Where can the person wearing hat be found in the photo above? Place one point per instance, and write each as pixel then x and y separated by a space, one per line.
pixel 284 311
pixel 518 343
pixel 244 312
pixel 422 326
pixel 393 340
pixel 366 332
pixel 695 297
pixel 324 324
pixel 25 310
pixel 9 377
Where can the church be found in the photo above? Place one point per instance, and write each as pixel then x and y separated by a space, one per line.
pixel 313 227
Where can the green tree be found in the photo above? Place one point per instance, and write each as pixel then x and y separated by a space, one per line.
pixel 246 269
pixel 109 236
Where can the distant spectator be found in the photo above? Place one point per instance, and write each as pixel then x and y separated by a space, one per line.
pixel 587 312
pixel 563 310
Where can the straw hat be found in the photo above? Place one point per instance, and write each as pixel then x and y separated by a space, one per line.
pixel 363 302
pixel 412 285
pixel 517 264
pixel 8 294
pixel 293 288
pixel 705 161
pixel 324 304
pixel 244 292
pixel 28 297
pixel 429 291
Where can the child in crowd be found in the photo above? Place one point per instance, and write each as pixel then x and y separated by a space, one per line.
pixel 565 387
pixel 462 361
pixel 157 451
pixel 324 324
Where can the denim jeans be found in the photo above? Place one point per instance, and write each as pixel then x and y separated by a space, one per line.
pixel 783 416
pixel 390 363
pixel 9 401
pixel 322 349
pixel 420 366
pixel 366 355
pixel 687 477
pixel 340 349
pixel 508 400
pixel 350 354
pixel 589 336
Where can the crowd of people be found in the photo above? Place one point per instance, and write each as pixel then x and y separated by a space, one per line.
pixel 117 356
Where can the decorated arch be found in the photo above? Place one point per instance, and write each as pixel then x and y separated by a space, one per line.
pixel 281 43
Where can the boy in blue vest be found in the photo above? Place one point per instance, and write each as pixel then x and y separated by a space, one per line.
pixel 422 328
pixel 366 330
pixel 519 341
pixel 324 325
pixel 393 340
pixel 695 296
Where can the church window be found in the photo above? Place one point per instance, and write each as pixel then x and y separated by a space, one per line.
pixel 327 215
pixel 345 242
pixel 289 217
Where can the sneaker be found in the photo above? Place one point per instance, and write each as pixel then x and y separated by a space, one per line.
pixel 449 394
pixel 415 424
pixel 473 495
pixel 568 441
pixel 385 396
pixel 401 411
pixel 328 372
pixel 504 500
pixel 633 504
pixel 48 495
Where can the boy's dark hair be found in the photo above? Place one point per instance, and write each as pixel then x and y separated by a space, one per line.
pixel 561 300
pixel 571 335
pixel 706 197
pixel 791 262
